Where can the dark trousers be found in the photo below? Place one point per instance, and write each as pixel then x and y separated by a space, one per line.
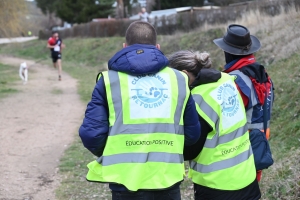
pixel 170 194
pixel 251 192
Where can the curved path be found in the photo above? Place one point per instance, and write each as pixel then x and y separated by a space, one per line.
pixel 18 39
pixel 36 125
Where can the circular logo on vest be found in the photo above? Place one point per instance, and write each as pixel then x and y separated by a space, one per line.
pixel 149 91
pixel 230 104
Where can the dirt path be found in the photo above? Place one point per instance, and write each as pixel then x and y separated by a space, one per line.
pixel 36 126
pixel 18 39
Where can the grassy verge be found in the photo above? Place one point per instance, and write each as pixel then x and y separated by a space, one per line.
pixel 8 75
pixel 73 169
pixel 282 180
pixel 56 91
pixel 83 59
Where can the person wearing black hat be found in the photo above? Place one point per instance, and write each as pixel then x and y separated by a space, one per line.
pixel 221 162
pixel 253 83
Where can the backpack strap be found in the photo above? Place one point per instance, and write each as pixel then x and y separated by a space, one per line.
pixel 98 76
pixel 265 111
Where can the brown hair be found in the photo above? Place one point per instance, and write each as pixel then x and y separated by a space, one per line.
pixel 190 61
pixel 140 33
pixel 54 32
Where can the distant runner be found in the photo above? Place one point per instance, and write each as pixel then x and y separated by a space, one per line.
pixel 55 45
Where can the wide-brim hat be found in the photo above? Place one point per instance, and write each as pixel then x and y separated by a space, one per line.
pixel 238 41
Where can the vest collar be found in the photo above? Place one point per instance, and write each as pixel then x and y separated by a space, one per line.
pixel 239 63
pixel 206 76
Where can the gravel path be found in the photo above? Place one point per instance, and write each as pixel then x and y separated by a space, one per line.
pixel 18 39
pixel 37 125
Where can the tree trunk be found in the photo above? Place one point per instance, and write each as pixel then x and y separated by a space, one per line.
pixel 52 22
pixel 158 5
pixel 120 9
pixel 149 5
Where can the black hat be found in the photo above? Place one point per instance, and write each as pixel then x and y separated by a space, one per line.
pixel 238 41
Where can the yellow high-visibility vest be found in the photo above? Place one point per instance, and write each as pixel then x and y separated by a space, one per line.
pixel 144 148
pixel 226 161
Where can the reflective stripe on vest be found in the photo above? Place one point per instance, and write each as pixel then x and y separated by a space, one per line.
pixel 121 127
pixel 226 161
pixel 141 158
pixel 146 134
pixel 253 101
pixel 223 164
pixel 215 141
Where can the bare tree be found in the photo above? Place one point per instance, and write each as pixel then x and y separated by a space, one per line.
pixel 120 9
pixel 158 5
pixel 150 4
pixel 12 13
pixel 48 8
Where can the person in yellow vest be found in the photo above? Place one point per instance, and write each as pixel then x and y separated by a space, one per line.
pixel 221 162
pixel 138 121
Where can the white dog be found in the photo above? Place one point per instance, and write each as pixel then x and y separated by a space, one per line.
pixel 23 72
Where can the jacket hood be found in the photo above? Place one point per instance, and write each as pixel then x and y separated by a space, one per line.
pixel 206 76
pixel 138 59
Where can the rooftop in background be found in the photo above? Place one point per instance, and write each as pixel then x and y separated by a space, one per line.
pixel 172 11
pixel 159 13
pixel 240 3
pixel 206 7
pixel 142 3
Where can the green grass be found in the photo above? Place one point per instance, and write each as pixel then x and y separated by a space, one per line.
pixel 56 91
pixel 84 58
pixel 286 112
pixel 93 52
pixel 282 180
pixel 73 169
pixel 83 52
pixel 8 75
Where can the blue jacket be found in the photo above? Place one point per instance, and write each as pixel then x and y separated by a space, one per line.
pixel 95 126
pixel 254 109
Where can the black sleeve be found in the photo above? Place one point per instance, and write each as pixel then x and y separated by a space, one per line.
pixel 191 152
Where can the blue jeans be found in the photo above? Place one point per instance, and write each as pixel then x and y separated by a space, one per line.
pixel 169 194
